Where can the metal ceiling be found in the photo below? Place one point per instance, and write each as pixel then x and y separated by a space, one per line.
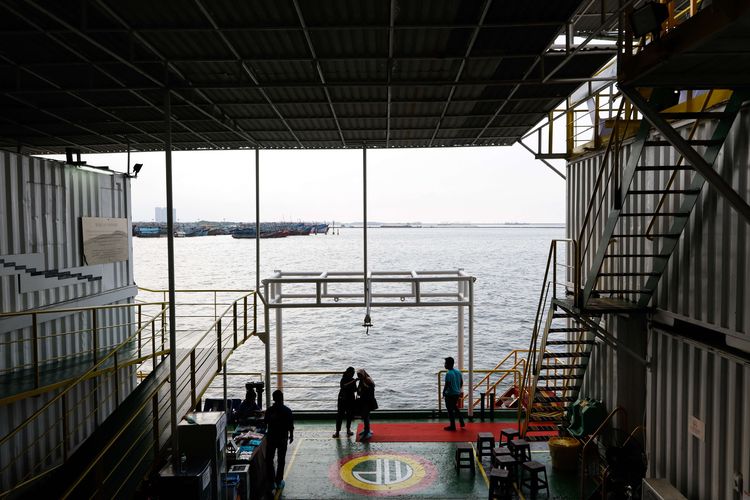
pixel 94 74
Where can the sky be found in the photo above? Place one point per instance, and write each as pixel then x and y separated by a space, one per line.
pixel 478 184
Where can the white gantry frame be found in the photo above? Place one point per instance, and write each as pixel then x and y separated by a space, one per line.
pixel 381 289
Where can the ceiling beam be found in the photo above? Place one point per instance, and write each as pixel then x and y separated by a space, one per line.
pixel 462 65
pixel 225 121
pixel 319 70
pixel 244 67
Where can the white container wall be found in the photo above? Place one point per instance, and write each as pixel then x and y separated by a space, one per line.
pixel 697 418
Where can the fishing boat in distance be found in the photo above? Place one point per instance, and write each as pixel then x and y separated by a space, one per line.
pixel 279 230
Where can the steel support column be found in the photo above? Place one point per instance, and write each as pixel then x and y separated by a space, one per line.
pixel 266 324
pixel 690 154
pixel 170 270
pixel 471 348
pixel 460 347
pixel 279 339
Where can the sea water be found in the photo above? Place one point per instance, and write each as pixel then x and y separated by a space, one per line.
pixel 404 350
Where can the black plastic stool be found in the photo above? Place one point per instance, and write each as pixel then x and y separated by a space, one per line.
pixel 520 449
pixel 509 435
pixel 464 457
pixel 485 444
pixel 508 463
pixel 501 485
pixel 534 482
pixel 498 452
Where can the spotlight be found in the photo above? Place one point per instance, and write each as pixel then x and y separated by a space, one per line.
pixel 648 19
pixel 137 168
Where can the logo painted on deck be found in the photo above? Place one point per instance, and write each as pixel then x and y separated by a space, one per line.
pixel 382 474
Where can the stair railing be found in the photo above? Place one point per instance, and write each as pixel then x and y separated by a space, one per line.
pixel 673 177
pixel 592 438
pixel 516 362
pixel 59 415
pixel 545 310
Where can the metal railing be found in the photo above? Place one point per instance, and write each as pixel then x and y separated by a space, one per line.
pixel 48 435
pixel 491 386
pixel 537 344
pixel 107 380
pixel 592 440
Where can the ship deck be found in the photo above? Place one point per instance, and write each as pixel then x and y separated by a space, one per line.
pixel 320 466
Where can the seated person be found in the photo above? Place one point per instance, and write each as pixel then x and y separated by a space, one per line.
pixel 249 408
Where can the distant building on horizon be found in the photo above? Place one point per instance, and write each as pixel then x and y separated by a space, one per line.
pixel 160 214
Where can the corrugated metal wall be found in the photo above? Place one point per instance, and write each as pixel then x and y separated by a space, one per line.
pixel 41 203
pixel 708 274
pixel 689 380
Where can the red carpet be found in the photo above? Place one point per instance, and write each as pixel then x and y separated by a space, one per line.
pixel 431 432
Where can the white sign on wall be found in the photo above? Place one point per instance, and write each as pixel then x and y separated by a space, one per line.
pixel 697 428
pixel 105 240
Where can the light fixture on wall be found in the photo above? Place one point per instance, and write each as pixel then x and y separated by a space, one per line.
pixel 137 168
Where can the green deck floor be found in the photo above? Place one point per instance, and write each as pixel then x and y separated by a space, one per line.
pixel 321 467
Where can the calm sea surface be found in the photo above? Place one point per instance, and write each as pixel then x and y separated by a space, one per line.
pixel 405 349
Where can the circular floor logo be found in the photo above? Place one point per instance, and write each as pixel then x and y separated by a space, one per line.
pixel 382 474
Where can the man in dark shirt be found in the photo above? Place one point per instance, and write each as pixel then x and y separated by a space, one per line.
pixel 280 423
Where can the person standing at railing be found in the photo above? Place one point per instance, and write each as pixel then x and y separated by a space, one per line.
pixel 454 383
pixel 345 405
pixel 280 421
pixel 366 402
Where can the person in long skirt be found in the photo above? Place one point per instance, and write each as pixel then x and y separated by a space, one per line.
pixel 345 405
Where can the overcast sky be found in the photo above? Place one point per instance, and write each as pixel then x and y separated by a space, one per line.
pixel 488 184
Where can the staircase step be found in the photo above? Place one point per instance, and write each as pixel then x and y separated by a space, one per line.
pixel 570 342
pixel 560 377
pixel 628 274
pixel 540 407
pixel 566 355
pixel 696 115
pixel 561 316
pixel 556 388
pixel 664 191
pixel 659 214
pixel 646 255
pixel 663 167
pixel 571 366
pixel 563 330
pixel 553 399
pixel 617 290
pixel 692 142
pixel 653 235
pixel 546 418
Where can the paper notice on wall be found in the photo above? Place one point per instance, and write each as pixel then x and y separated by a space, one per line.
pixel 105 240
pixel 697 428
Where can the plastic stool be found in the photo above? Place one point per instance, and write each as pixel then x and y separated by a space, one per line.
pixel 508 463
pixel 485 444
pixel 509 435
pixel 520 449
pixel 498 452
pixel 501 486
pixel 534 482
pixel 464 457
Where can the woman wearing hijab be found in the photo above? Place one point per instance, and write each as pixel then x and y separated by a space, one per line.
pixel 347 395
pixel 366 402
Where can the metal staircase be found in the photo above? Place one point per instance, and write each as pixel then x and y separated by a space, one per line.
pixel 645 223
pixel 644 206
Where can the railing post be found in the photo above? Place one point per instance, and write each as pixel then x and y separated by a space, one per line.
pixel 492 407
pixel 94 339
pixel 140 332
pixel 255 313
pixel 244 317
pixel 554 269
pixel 35 348
pixel 192 379
pixel 163 327
pixel 117 382
pixel 218 344
pixel 64 416
pixel 153 342
pixel 155 412
pixel 440 394
pixel 234 323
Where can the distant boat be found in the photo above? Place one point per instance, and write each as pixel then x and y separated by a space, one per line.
pixel 179 234
pixel 197 231
pixel 147 232
pixel 400 225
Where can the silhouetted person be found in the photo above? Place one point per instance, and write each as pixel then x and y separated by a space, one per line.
pixel 249 406
pixel 345 404
pixel 280 423
pixel 366 402
pixel 454 382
